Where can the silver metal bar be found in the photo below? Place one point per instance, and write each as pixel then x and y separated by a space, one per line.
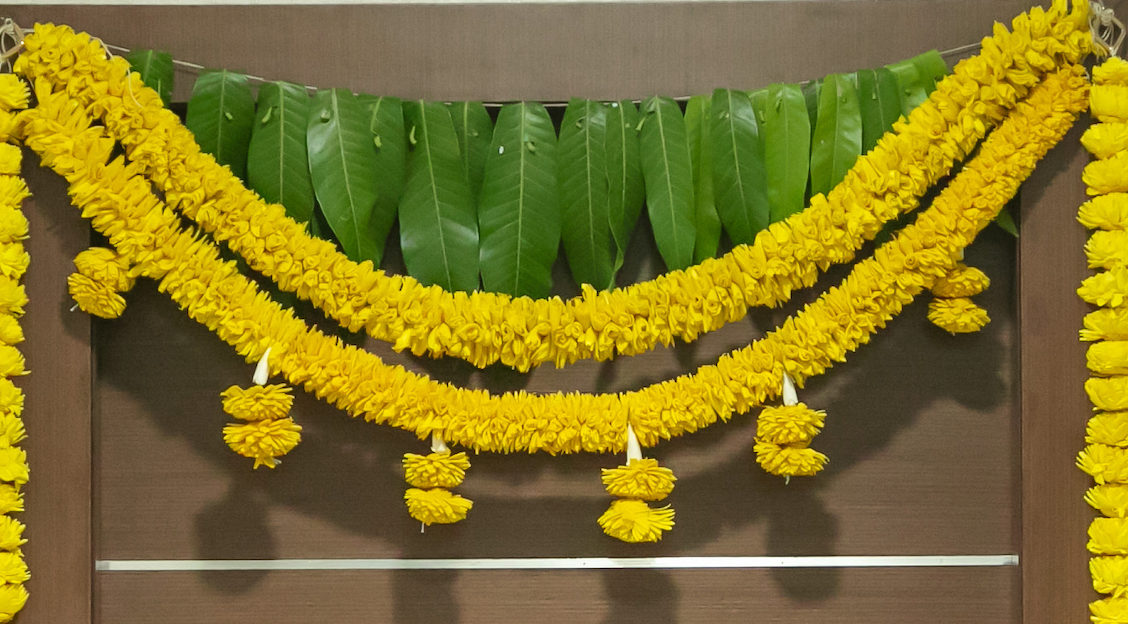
pixel 561 563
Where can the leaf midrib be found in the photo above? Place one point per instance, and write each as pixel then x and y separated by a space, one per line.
pixel 669 181
pixel 520 198
pixel 834 139
pixel 426 140
pixel 590 186
pixel 222 117
pixel 344 165
pixel 281 145
pixel 736 168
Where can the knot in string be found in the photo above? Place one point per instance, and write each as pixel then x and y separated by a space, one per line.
pixel 1106 29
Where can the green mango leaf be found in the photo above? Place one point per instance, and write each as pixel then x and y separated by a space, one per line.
pixel 739 176
pixel 668 176
pixel 518 212
pixel 342 164
pixel 838 135
pixel 582 173
pixel 917 78
pixel 880 103
pixel 625 190
pixel 474 128
pixel 156 71
pixel 221 113
pixel 759 99
pixel 698 112
pixel 1006 221
pixel 786 134
pixel 438 224
pixel 388 136
pixel 277 161
pixel 811 92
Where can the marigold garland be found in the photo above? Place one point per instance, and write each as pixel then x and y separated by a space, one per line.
pixel 1105 457
pixel 14 262
pixel 484 328
pixel 120 205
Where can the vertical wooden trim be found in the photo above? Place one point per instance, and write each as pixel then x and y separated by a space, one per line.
pixel 57 412
pixel 1055 577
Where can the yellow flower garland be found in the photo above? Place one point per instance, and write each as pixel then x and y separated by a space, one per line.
pixel 13 264
pixel 119 203
pixel 1105 457
pixel 483 327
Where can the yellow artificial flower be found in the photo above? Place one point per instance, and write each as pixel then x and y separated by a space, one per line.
pixel 635 522
pixel 1105 140
pixel 789 460
pixel 1109 611
pixel 7 126
pixel 263 440
pixel 10 331
pixel 883 184
pixel 1107 176
pixel 1108 393
pixel 13 297
pixel 1109 428
pixel 95 297
pixel 1108 357
pixel 13 224
pixel 1109 499
pixel 1109 102
pixel 13 597
pixel 12 430
pixel 14 260
pixel 1106 212
pixel 789 424
pixel 1107 288
pixel 963 281
pixel 10 159
pixel 1106 464
pixel 442 470
pixel 1112 71
pixel 105 265
pixel 11 397
pixel 258 402
pixel 11 533
pixel 11 361
pixel 13 465
pixel 14 93
pixel 642 479
pixel 1106 324
pixel 12 568
pixel 1107 250
pixel 959 315
pixel 13 190
pixel 1108 536
pixel 1110 575
pixel 436 506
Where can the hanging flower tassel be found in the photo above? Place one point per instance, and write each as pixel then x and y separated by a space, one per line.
pixel 784 434
pixel 629 518
pixel 268 433
pixel 951 308
pixel 102 276
pixel 428 500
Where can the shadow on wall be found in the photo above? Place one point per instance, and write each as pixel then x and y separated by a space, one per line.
pixel 345 472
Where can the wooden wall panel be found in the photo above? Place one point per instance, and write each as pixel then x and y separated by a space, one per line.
pixel 920 596
pixel 57 410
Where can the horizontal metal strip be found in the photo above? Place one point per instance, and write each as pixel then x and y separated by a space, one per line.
pixel 562 563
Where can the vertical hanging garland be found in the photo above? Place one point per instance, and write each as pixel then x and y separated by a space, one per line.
pixel 1105 456
pixel 13 264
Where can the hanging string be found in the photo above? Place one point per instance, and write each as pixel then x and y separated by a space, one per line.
pixel 196 68
pixel 9 30
pixel 1103 25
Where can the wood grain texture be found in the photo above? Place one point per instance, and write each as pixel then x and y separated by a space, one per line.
pixel 1056 582
pixel 511 51
pixel 57 411
pixel 858 596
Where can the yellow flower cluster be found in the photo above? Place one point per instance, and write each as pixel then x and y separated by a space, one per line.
pixel 484 328
pixel 436 506
pixel 13 264
pixel 957 315
pixel 267 433
pixel 634 521
pixel 783 436
pixel 962 281
pixel 435 470
pixel 643 479
pixel 120 205
pixel 1105 456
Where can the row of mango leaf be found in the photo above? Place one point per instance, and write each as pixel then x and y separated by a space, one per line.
pixel 488 199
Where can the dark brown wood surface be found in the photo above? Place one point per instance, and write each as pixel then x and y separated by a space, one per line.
pixel 58 410
pixel 923 428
